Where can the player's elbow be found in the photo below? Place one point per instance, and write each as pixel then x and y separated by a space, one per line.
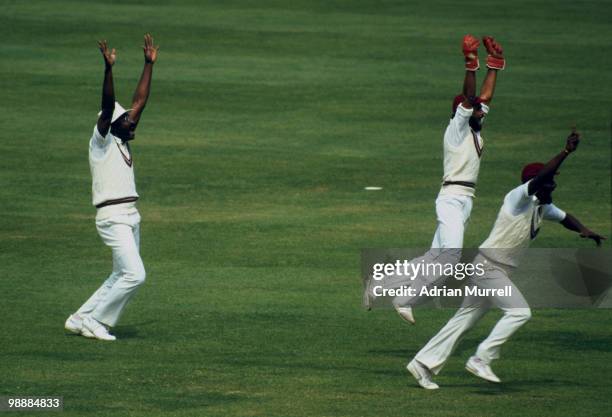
pixel 138 105
pixel 485 98
pixel 107 113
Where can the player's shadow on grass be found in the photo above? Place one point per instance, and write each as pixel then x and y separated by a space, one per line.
pixel 506 387
pixel 130 331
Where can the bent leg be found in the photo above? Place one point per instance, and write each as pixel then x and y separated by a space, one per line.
pixel 131 273
pixel 452 213
pixel 99 295
pixel 516 314
pixel 439 348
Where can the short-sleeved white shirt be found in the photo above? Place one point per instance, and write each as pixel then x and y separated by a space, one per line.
pixel 112 169
pixel 517 224
pixel 518 200
pixel 462 151
pixel 458 126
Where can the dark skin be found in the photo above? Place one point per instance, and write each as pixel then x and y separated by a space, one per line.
pixel 125 126
pixel 486 94
pixel 488 85
pixel 108 90
pixel 544 184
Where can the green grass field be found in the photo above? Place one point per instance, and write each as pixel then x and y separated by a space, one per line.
pixel 265 122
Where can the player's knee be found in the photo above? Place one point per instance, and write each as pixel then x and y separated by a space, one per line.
pixel 140 275
pixel 136 275
pixel 521 314
pixel 526 314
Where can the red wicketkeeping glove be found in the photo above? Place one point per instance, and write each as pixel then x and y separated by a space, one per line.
pixel 495 57
pixel 470 51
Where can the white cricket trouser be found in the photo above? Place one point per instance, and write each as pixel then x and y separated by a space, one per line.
pixel 516 313
pixel 122 234
pixel 453 212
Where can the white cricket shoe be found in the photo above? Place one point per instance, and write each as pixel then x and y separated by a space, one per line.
pixel 74 324
pixel 97 329
pixel 422 374
pixel 405 313
pixel 86 333
pixel 482 370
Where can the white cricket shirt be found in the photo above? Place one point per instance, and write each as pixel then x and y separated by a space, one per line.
pixel 518 222
pixel 112 168
pixel 462 150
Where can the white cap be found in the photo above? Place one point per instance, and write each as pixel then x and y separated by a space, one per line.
pixel 119 110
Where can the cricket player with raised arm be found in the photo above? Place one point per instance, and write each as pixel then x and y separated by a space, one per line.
pixel 518 222
pixel 463 144
pixel 114 196
pixel 463 147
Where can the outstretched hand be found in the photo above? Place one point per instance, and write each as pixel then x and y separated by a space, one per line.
pixel 572 141
pixel 109 55
pixel 495 57
pixel 493 48
pixel 470 46
pixel 470 52
pixel 150 50
pixel 587 234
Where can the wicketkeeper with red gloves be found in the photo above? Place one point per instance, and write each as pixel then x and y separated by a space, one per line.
pixel 463 146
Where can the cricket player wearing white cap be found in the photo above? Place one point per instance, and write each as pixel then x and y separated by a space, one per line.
pixel 463 147
pixel 114 196
pixel 518 222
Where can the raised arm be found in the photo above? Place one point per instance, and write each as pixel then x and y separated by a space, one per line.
pixel 470 52
pixel 548 172
pixel 495 62
pixel 141 95
pixel 469 88
pixel 488 86
pixel 108 90
pixel 572 223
